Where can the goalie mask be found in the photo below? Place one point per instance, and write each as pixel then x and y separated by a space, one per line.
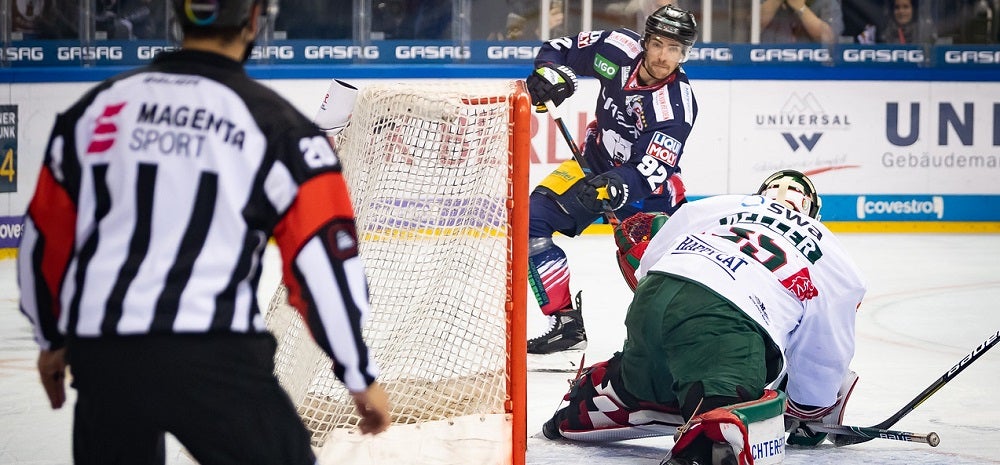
pixel 632 236
pixel 794 190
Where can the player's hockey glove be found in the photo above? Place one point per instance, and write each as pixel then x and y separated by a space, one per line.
pixel 797 416
pixel 608 189
pixel 551 82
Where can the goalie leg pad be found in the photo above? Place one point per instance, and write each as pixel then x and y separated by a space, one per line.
pixel 746 433
pixel 600 409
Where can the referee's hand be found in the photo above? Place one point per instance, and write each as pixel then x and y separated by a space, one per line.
pixel 52 369
pixel 373 407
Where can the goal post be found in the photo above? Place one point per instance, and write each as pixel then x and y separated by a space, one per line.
pixel 438 175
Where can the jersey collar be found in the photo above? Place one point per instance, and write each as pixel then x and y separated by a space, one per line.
pixel 633 80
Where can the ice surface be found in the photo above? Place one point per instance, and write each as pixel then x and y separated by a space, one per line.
pixel 932 299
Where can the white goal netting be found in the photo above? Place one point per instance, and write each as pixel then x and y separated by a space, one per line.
pixel 430 179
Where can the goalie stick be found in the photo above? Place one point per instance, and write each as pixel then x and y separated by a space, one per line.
pixel 938 384
pixel 862 433
pixel 609 215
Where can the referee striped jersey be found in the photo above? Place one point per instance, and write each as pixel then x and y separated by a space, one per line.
pixel 157 195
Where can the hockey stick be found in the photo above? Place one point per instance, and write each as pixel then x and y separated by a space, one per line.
pixel 609 215
pixel 938 384
pixel 863 434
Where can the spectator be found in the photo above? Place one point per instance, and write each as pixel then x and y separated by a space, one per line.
pixel 978 25
pixel 60 20
pixel 862 19
pixel 319 19
pixel 109 21
pixel 524 22
pixel 146 17
pixel 632 13
pixel 791 21
pixel 903 26
pixel 25 16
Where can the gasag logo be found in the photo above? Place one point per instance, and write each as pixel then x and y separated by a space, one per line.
pixel 523 52
pixel 23 53
pixel 802 121
pixel 433 52
pixel 790 55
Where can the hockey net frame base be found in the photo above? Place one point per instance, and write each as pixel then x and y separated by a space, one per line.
pixel 438 174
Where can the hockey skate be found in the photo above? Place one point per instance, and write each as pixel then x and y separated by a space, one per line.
pixel 566 331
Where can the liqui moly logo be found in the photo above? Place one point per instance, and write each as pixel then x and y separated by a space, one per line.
pixel 664 148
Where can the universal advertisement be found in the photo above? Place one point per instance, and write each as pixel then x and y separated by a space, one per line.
pixel 877 150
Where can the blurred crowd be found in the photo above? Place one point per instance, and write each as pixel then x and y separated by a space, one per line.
pixel 926 22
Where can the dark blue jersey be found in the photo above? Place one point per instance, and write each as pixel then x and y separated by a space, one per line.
pixel 641 130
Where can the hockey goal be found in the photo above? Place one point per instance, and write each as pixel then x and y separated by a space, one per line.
pixel 438 174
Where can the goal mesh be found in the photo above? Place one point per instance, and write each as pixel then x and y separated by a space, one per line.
pixel 434 176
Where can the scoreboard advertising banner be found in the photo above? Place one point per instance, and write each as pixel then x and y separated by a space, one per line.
pixel 887 149
pixel 128 53
pixel 878 151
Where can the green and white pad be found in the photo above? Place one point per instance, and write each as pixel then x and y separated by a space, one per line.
pixel 764 419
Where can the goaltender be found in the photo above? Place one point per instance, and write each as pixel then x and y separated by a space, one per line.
pixel 735 293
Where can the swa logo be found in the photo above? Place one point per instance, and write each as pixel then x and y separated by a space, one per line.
pixel 105 130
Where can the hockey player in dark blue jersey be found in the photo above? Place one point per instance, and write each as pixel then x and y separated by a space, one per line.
pixel 644 113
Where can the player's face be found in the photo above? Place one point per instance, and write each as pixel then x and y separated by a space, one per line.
pixel 663 55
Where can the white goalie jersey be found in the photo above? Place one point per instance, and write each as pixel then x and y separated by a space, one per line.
pixel 784 269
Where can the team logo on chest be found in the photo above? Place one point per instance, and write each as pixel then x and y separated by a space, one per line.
pixel 633 106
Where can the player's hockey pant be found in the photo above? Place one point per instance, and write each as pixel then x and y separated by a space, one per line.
pixel 686 344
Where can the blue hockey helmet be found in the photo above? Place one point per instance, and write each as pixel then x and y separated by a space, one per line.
pixel 673 23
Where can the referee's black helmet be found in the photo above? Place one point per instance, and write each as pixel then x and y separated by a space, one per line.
pixel 218 14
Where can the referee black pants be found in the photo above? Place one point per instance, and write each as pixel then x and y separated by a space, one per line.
pixel 215 393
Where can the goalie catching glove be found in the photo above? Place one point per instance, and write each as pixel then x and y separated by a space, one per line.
pixel 606 190
pixel 551 82
pixel 798 416
pixel 632 236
